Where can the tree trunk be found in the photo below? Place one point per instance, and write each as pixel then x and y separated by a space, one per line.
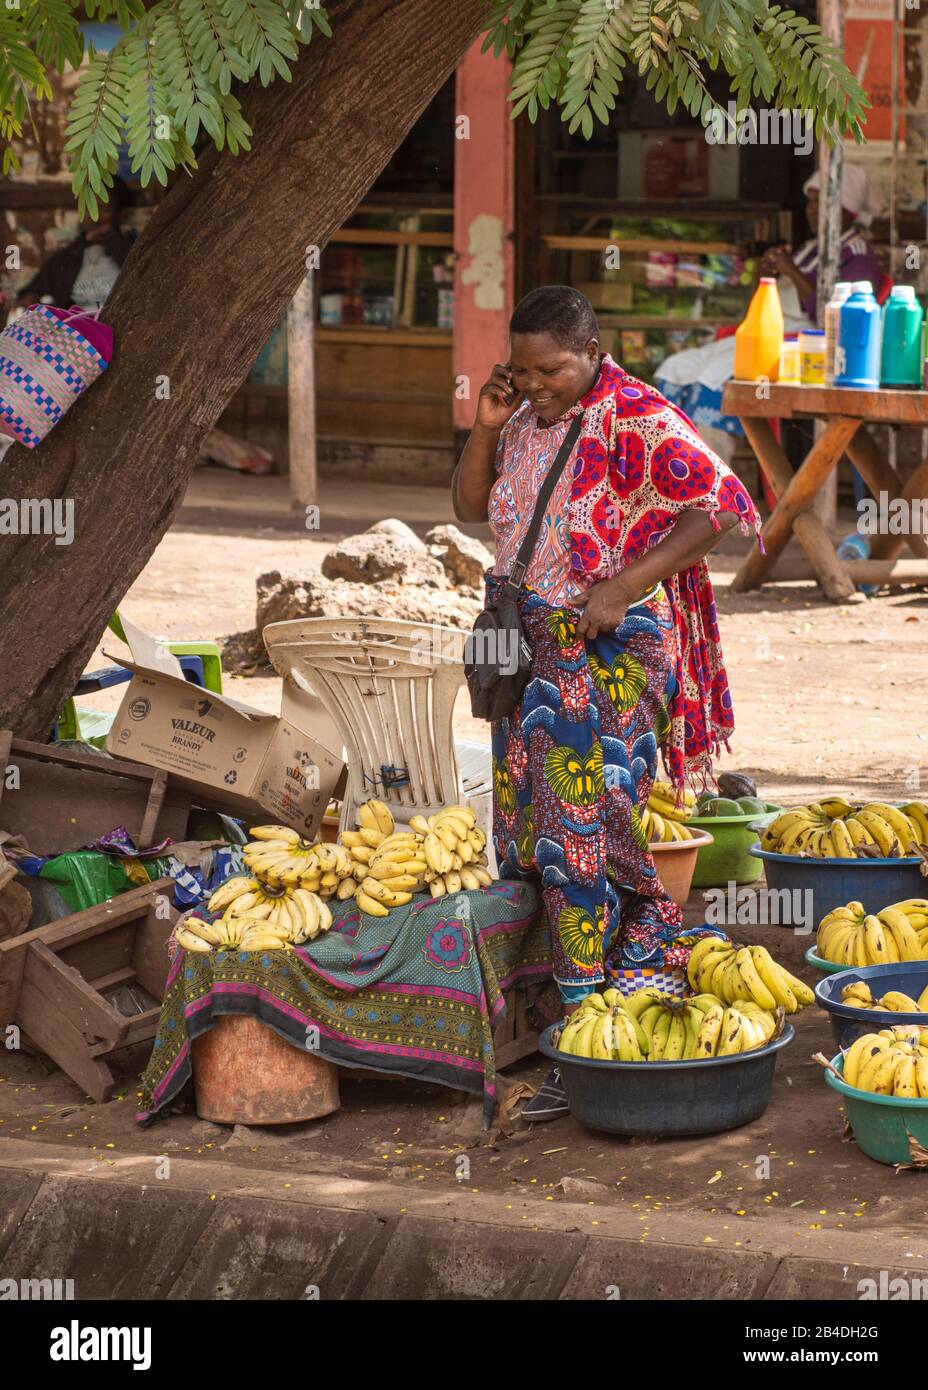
pixel 199 296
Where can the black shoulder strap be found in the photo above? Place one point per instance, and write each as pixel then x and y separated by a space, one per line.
pixel 527 548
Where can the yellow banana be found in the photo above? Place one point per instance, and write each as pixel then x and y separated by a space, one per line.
pixel 370 905
pixel 625 1038
pixel 898 1002
pixel 676 1038
pixel 754 985
pixel 883 833
pixel 732 1034
pixel 917 813
pixel 775 979
pixel 659 1036
pixel 601 1044
pixel 859 834
pixel 876 941
pixel 877 1075
pixel 283 833
pixel 841 840
pixel 903 933
pixel 921 1077
pixel 897 820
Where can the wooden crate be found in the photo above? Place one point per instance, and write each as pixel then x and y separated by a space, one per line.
pixel 66 800
pixel 515 1036
pixel 55 982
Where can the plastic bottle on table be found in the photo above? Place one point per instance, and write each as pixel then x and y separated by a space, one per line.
pixel 901 361
pixel 759 337
pixel 857 355
pixel 832 316
pixel 789 361
pixel 812 357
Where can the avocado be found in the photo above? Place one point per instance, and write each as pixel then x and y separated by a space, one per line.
pixel 722 806
pixel 736 785
pixel 752 805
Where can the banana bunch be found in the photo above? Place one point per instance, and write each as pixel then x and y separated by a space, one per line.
pixel 850 936
pixel 301 913
pixel 443 852
pixel 858 996
pixel 663 820
pixel 239 933
pixel 735 973
pixel 279 857
pixel 835 829
pixel 655 1027
pixel 893 1062
pixel 454 849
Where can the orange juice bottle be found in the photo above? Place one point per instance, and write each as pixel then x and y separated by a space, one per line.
pixel 759 337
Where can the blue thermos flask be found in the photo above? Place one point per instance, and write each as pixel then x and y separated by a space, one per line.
pixel 857 353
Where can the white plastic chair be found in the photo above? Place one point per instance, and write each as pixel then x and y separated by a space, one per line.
pixel 389 686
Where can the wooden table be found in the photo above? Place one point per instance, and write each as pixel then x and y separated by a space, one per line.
pixel 847 414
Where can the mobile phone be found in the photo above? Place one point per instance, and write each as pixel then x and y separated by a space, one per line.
pixel 511 393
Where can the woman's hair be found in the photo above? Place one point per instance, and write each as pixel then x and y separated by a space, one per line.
pixel 562 312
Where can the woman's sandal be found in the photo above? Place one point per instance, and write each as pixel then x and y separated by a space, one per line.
pixel 549 1102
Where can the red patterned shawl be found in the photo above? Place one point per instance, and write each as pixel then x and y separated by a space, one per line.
pixel 640 463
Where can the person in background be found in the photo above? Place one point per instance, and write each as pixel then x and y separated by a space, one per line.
pixel 619 612
pixel 694 379
pixel 84 272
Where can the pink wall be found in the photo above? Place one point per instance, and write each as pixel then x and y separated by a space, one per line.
pixel 483 225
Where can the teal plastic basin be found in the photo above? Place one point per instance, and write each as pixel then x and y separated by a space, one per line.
pixel 827 967
pixel 881 1124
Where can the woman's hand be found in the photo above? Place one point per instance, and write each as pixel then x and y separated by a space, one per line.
pixel 776 260
pixel 603 607
pixel 498 400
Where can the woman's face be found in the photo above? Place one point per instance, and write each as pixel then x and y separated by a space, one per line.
pixel 551 376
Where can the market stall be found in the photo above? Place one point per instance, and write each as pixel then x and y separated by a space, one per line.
pixel 847 415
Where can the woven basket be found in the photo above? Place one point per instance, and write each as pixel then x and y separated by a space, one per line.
pixel 46 362
pixel 671 981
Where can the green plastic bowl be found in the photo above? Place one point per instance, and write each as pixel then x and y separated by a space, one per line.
pixel 727 859
pixel 881 1124
pixel 827 967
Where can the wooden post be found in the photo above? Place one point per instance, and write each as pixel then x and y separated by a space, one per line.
pixel 301 395
pixel 484 197
pixel 831 167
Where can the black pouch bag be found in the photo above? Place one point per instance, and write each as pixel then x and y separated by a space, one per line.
pixel 497 654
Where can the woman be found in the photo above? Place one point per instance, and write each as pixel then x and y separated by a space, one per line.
pixel 620 614
pixel 85 271
pixel 694 379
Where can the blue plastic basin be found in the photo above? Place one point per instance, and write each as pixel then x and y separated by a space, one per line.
pixel 848 1023
pixel 702 1096
pixel 834 882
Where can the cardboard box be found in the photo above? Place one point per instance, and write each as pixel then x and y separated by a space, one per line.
pixel 229 756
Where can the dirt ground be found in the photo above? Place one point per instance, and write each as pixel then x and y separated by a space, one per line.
pixel 792 1168
pixel 825 696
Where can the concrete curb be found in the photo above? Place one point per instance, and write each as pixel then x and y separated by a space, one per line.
pixel 214 1231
